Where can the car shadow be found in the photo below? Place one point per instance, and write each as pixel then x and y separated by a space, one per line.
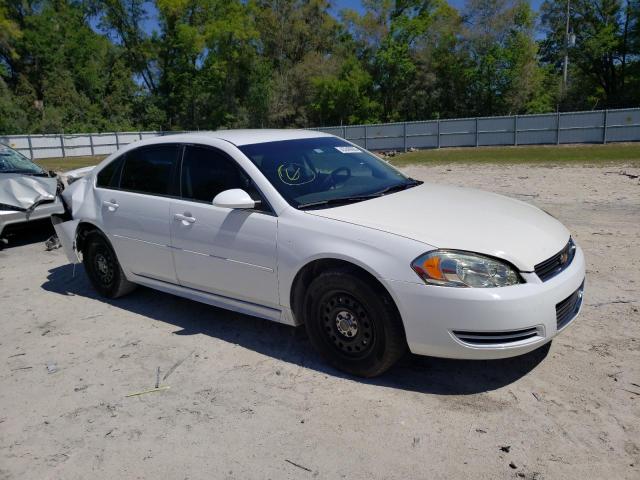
pixel 413 373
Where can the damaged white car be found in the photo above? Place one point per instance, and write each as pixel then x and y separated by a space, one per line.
pixel 304 227
pixel 27 192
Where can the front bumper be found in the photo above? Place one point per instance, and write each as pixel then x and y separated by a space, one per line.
pixel 488 323
pixel 43 211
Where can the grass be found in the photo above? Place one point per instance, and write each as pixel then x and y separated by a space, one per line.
pixel 60 164
pixel 628 153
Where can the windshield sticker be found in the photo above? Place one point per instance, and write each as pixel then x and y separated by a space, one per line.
pixel 294 174
pixel 348 149
pixel 318 150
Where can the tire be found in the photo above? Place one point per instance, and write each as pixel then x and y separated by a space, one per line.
pixel 352 324
pixel 102 267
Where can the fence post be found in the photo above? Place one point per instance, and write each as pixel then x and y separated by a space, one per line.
pixel 117 141
pixel 558 128
pixel 30 146
pixel 91 144
pixel 365 137
pixel 140 135
pixel 604 129
pixel 438 133
pixel 344 132
pixel 515 130
pixel 476 131
pixel 404 133
pixel 62 146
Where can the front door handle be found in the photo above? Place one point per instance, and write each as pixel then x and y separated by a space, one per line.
pixel 112 205
pixel 185 218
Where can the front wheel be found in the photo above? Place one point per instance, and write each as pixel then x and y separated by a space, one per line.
pixel 353 325
pixel 103 268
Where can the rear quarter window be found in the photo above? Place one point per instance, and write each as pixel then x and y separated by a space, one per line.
pixel 150 170
pixel 109 176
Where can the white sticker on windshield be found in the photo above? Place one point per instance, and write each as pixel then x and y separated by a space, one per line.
pixel 348 149
pixel 318 150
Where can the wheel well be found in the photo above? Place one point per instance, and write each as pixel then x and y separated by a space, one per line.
pixel 83 230
pixel 311 270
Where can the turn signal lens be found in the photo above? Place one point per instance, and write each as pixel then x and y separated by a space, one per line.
pixel 461 269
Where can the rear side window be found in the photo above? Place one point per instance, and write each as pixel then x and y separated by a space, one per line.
pixel 150 170
pixel 207 172
pixel 109 176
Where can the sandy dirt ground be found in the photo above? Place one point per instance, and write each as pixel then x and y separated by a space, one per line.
pixel 250 399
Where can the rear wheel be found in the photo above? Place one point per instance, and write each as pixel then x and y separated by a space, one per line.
pixel 103 268
pixel 353 325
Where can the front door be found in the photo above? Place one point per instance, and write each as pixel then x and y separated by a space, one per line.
pixel 228 252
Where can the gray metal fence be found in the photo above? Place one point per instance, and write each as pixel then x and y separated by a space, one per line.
pixel 74 145
pixel 601 126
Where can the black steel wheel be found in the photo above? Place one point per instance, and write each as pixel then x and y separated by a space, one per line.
pixel 103 268
pixel 347 324
pixel 353 323
pixel 104 265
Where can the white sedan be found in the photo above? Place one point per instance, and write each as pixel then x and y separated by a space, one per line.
pixel 304 227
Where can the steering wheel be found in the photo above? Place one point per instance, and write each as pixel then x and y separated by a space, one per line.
pixel 334 178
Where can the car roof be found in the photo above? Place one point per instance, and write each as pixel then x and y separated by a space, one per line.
pixel 241 137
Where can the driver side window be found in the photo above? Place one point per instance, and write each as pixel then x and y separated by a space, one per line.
pixel 206 172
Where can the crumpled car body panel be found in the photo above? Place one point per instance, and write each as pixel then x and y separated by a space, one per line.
pixel 74 175
pixel 66 232
pixel 22 191
pixel 80 200
pixel 27 197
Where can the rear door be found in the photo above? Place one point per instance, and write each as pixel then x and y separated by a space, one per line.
pixel 135 202
pixel 225 251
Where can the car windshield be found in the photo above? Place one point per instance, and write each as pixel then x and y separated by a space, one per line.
pixel 324 171
pixel 14 162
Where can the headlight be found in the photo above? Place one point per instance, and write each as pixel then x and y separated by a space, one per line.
pixel 461 269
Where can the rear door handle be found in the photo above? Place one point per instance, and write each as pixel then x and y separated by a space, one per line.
pixel 185 218
pixel 112 205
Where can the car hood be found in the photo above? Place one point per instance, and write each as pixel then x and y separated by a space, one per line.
pixel 25 192
pixel 461 219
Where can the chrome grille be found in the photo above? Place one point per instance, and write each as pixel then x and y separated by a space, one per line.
pixel 568 308
pixel 556 264
pixel 496 338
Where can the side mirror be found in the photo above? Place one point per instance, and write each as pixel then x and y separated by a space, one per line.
pixel 234 198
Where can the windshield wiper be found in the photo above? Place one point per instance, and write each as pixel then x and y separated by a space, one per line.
pixel 359 198
pixel 397 188
pixel 337 201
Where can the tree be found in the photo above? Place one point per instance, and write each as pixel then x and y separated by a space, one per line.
pixel 298 39
pixel 604 61
pixel 344 98
pixel 58 73
pixel 507 78
pixel 441 85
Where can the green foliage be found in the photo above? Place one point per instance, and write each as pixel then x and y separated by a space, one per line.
pixel 78 65
pixel 61 75
pixel 604 62
pixel 345 98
